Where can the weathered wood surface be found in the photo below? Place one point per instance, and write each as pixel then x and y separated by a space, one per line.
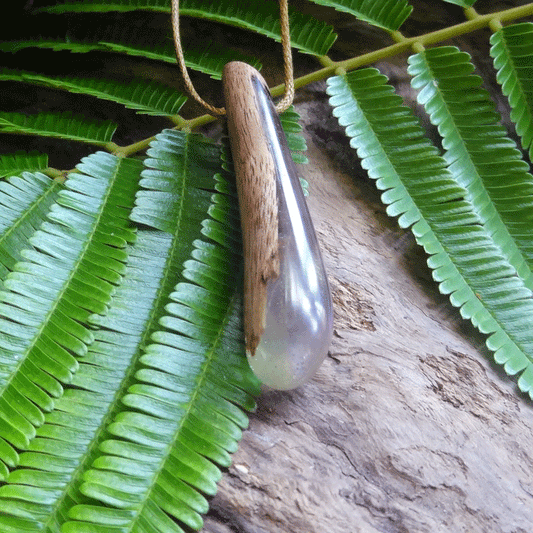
pixel 255 173
pixel 408 427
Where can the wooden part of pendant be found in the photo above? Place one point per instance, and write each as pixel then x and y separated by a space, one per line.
pixel 256 187
pixel 288 316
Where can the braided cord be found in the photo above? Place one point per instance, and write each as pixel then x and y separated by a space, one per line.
pixel 287 99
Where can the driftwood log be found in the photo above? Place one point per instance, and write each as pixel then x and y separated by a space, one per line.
pixel 407 427
pixel 256 185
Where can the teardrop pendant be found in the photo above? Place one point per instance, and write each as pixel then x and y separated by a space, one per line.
pixel 288 317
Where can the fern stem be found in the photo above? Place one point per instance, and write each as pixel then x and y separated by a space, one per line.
pixel 113 148
pixel 495 25
pixel 197 122
pixel 403 44
pixel 126 151
pixel 179 121
pixel 326 61
pixel 471 13
pixel 398 36
pixel 480 21
pixel 438 36
pixel 55 173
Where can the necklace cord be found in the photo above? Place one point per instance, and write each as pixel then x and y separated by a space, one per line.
pixel 288 97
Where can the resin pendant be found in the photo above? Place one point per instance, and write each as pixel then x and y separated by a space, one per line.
pixel 288 318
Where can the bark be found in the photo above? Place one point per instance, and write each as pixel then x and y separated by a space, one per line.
pixel 408 426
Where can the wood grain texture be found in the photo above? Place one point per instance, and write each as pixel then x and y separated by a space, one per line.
pixel 407 427
pixel 256 187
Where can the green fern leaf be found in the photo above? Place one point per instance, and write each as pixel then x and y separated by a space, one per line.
pixel 57 44
pixel 134 42
pixel 289 121
pixel 307 33
pixel 68 441
pixel 462 3
pixel 24 203
pixel 480 155
pixel 151 98
pixel 61 125
pixel 170 402
pixel 209 59
pixel 155 263
pixel 13 164
pixel 77 257
pixel 183 415
pixel 512 50
pixel 387 14
pixel 165 184
pixel 420 190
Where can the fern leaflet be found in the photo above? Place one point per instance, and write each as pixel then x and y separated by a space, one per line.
pixel 307 33
pixel 420 190
pixel 387 14
pixel 165 183
pixel 478 151
pixel 77 256
pixel 155 262
pixel 151 98
pixel 13 164
pixel 179 407
pixel 208 59
pixel 62 125
pixel 512 49
pixel 134 43
pixel 24 202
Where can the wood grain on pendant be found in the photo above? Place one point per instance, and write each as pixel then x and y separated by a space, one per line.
pixel 256 187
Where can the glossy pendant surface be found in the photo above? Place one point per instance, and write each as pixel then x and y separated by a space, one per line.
pixel 288 316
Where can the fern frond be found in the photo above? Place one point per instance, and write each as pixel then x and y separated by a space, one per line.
pixel 57 44
pixel 69 273
pixel 479 153
pixel 68 440
pixel 462 3
pixel 150 98
pixel 102 369
pixel 178 396
pixel 134 42
pixel 292 128
pixel 387 14
pixel 209 59
pixel 307 33
pixel 155 263
pixel 14 164
pixel 173 159
pixel 62 125
pixel 420 190
pixel 24 203
pixel 183 415
pixel 512 51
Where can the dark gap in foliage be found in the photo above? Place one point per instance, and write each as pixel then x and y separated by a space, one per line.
pixel 431 16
